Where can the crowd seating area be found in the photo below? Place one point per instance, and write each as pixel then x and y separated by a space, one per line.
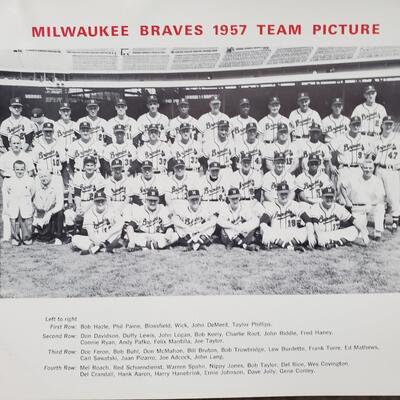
pixel 290 55
pixel 245 57
pixel 333 53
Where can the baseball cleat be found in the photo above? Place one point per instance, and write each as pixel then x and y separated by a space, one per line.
pixel 252 247
pixel 28 242
pixel 394 227
pixel 94 249
pixel 57 242
pixel 15 242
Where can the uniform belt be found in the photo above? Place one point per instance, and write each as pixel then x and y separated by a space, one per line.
pixel 223 166
pixel 368 134
pixel 157 172
pixel 388 167
pixel 268 141
pixel 213 200
pixel 246 198
pixel 359 205
pixel 350 165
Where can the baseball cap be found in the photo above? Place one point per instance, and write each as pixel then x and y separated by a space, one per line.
pixel 193 193
pixel 184 127
pixel 328 191
pixel 89 159
pixel 116 163
pixel 92 102
pixel 182 101
pixel 244 101
pixel 315 127
pixel 64 106
pixel 282 127
pixel 251 126
pixel 245 156
pixel 233 192
pixel 302 96
pixel 223 123
pixel 215 99
pixel 337 100
pixel 16 101
pixel 214 165
pixel 48 126
pixel 314 158
pixel 152 194
pixel 99 196
pixel 282 187
pixel 147 164
pixel 152 99
pixel 119 128
pixel 120 102
pixel 37 112
pixel 369 88
pixel 279 156
pixel 274 100
pixel 179 163
pixel 84 126
pixel 153 128
pixel 355 119
pixel 388 118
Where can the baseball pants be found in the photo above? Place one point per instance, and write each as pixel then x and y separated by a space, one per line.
pixel 162 240
pixel 206 232
pixel 270 235
pixel 364 213
pixel 350 234
pixel 391 182
pixel 244 229
pixel 85 243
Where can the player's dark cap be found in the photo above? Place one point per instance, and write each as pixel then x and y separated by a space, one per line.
pixel 214 165
pixel 120 102
pixel 65 106
pixel 119 128
pixel 215 99
pixel 313 158
pixel 233 192
pixel 152 194
pixel 274 100
pixel 303 96
pixel 314 127
pixel 244 102
pixel 179 163
pixel 48 126
pixel 388 119
pixel 37 112
pixel 193 194
pixel 89 160
pixel 184 127
pixel 16 101
pixel 223 123
pixel 251 126
pixel 245 156
pixel 153 128
pixel 92 103
pixel 337 100
pixel 116 163
pixel 84 126
pixel 355 120
pixel 147 164
pixel 152 99
pixel 282 127
pixel 183 101
pixel 328 191
pixel 279 156
pixel 99 196
pixel 282 187
pixel 369 89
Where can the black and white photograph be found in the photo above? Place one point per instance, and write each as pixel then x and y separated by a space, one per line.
pixel 199 171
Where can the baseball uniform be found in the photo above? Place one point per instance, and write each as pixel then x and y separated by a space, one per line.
pixel 288 148
pixel 371 118
pixel 189 152
pixel 213 191
pixel 256 150
pixel 130 125
pixel 65 132
pixel 126 152
pixel 334 127
pixel 271 180
pixel 116 192
pixel 301 121
pixel 312 185
pixel 208 124
pixel 49 156
pixel 160 120
pixel 222 152
pixel 78 150
pixel 8 159
pixel 237 127
pixel 159 154
pixel 138 186
pixel 305 147
pixel 98 129
pixel 175 124
pixel 86 186
pixel 268 127
pixel 20 126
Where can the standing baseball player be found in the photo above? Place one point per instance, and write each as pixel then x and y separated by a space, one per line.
pixel 336 124
pixel 183 118
pixel 115 187
pixel 153 118
pixel 386 149
pixel 38 119
pixel 371 113
pixel 98 126
pixel 268 125
pixel 129 124
pixel 238 124
pixel 65 129
pixel 302 117
pixel 194 223
pixel 17 124
pixel 238 223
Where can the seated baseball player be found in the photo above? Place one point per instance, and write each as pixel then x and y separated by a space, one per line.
pixel 238 223
pixel 334 226
pixel 138 186
pixel 309 184
pixel 272 178
pixel 18 204
pixel 194 223
pixel 103 225
pixel 280 222
pixel 365 197
pixel 86 184
pixel 115 186
pixel 149 226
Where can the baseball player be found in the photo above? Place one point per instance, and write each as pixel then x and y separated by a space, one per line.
pixel 85 147
pixel 221 148
pixel 277 175
pixel 302 117
pixel 268 126
pixel 98 126
pixel 103 225
pixel 17 124
pixel 208 122
pixel 121 149
pixel 334 226
pixel 386 149
pixel 238 223
pixel 115 187
pixel 65 129
pixel 249 143
pixel 309 184
pixel 49 153
pixel 19 191
pixel 335 124
pixel 194 223
pixel 371 113
pixel 155 150
pixel 280 222
pixel 238 124
pixel 138 186
pixel 183 118
pixel 129 124
pixel 365 195
pixel 149 226
pixel 150 119
pixel 38 119
pixel 187 149
pixel 282 145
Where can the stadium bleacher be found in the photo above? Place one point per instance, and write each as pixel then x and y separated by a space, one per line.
pixel 90 62
pixel 193 59
pixel 333 53
pixel 244 57
pixel 290 55
pixel 379 52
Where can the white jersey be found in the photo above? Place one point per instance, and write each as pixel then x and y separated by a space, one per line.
pixel 87 186
pixel 288 148
pixel 38 130
pixel 330 219
pixel 243 213
pixel 49 156
pixel 116 190
pixel 256 149
pixel 208 124
pixel 175 125
pixel 21 126
pixel 364 191
pixel 305 147
pixel 130 124
pixel 213 190
pixel 268 127
pixel 138 186
pixel 286 216
pixel 148 221
pixel 387 151
pixel 8 159
pixel 79 150
pixel 247 184
pixel 177 188
pixel 145 120
pixel 271 180
pixel 371 118
pixel 194 219
pixel 98 224
pixel 98 128
pixel 65 132
pixel 189 152
pixel 301 122
pixel 351 151
pixel 159 154
pixel 126 152
pixel 312 185
pixel 237 126
pixel 222 152
pixel 334 127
